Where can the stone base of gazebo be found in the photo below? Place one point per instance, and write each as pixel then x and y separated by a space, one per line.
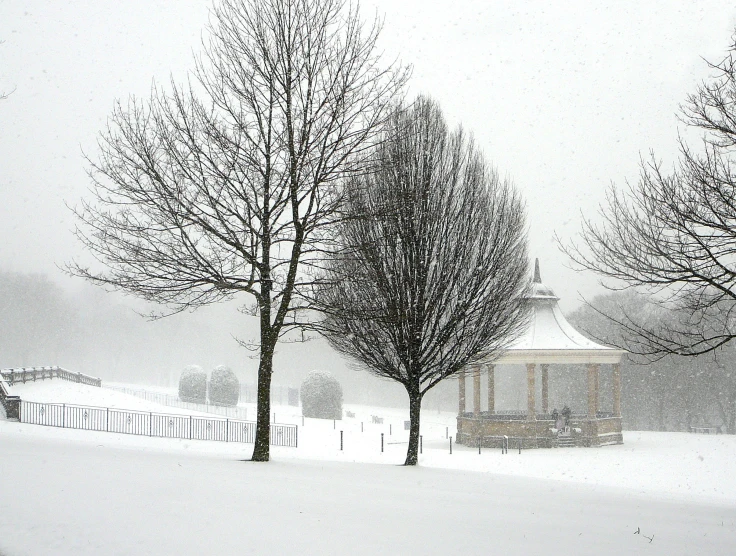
pixel 492 427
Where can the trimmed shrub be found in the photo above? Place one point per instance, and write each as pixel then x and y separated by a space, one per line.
pixel 321 396
pixel 193 385
pixel 224 386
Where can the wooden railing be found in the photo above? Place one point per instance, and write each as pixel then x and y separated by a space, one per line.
pixel 32 374
pixel 11 404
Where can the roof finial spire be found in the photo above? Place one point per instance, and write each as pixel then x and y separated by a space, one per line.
pixel 537 277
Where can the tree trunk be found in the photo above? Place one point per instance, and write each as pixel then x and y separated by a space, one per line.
pixel 415 406
pixel 261 450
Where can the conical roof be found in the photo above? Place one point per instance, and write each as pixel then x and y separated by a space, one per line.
pixel 549 338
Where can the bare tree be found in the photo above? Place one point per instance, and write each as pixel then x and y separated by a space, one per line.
pixel 435 266
pixel 674 234
pixel 227 185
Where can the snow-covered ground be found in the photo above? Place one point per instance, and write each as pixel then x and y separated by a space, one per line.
pixel 79 492
pixel 62 391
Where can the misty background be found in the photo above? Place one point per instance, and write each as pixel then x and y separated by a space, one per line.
pixel 564 99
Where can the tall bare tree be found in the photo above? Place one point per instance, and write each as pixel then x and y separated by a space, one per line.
pixel 435 267
pixel 673 234
pixel 226 185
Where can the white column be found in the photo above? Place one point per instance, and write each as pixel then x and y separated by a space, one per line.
pixel 491 388
pixel 461 392
pixel 476 390
pixel 531 412
pixel 545 388
pixel 617 390
pixel 592 390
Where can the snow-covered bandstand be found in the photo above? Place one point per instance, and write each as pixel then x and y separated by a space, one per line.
pixel 548 340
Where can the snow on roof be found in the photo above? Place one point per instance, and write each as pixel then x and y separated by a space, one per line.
pixel 550 338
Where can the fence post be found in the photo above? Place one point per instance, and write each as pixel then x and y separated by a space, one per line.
pixel 381 442
pixel 420 443
pixel 519 445
pixel 227 430
pixel 479 443
pixel 447 432
pixel 107 419
pixel 150 423
pixel 334 425
pixel 63 415
pixel 361 426
pixel 190 427
pixel 341 441
pixel 389 429
pixel 450 445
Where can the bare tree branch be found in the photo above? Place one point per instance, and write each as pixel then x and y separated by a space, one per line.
pixel 673 233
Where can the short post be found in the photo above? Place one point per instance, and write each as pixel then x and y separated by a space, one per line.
pixel 361 426
pixel 450 445
pixel 381 442
pixel 420 443
pixel 274 416
pixel 334 425
pixel 341 441
pixel 519 445
pixel 302 420
pixel 389 429
pixel 479 442
pixel 447 432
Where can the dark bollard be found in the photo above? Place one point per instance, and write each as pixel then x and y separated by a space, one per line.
pixel 341 441
pixel 381 442
pixel 389 429
pixel 420 443
pixel 479 441
pixel 450 445
pixel 520 445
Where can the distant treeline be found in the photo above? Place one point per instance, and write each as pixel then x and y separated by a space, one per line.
pixel 672 394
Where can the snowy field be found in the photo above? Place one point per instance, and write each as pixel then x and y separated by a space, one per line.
pixel 79 492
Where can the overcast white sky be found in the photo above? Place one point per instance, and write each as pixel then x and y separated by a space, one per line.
pixel 562 97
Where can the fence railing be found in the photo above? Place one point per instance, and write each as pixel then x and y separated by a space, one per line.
pixel 11 404
pixel 32 374
pixel 173 401
pixel 146 423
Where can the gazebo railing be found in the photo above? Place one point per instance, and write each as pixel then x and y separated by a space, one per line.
pixel 520 415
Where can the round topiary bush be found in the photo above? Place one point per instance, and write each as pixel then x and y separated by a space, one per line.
pixel 193 385
pixel 321 396
pixel 224 386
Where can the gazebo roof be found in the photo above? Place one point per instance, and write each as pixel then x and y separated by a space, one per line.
pixel 549 338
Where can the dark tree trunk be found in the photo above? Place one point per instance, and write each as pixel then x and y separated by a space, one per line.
pixel 263 422
pixel 415 407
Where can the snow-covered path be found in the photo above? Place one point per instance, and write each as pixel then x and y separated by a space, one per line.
pixel 64 494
